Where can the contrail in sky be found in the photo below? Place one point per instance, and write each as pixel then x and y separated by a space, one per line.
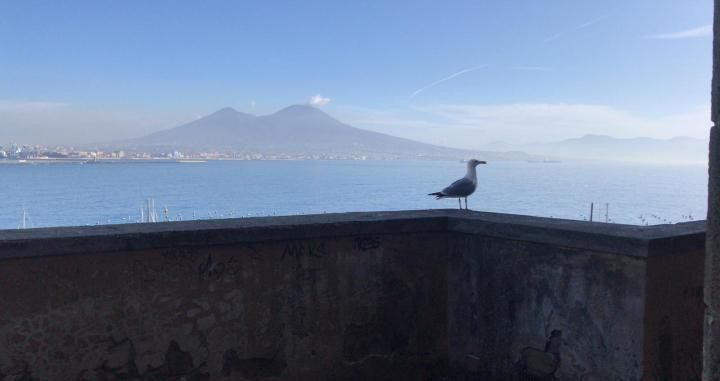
pixel 461 72
pixel 705 30
pixel 591 22
pixel 581 26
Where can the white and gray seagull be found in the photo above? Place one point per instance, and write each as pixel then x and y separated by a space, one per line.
pixel 463 187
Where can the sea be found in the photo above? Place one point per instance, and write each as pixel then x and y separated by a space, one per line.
pixel 45 195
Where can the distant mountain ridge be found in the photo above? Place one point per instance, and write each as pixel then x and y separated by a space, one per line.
pixel 294 130
pixel 304 130
pixel 603 147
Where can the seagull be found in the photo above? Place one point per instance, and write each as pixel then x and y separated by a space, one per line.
pixel 463 187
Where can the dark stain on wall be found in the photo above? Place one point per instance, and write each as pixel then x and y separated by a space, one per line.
pixel 120 365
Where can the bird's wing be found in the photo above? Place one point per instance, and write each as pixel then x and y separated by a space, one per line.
pixel 461 188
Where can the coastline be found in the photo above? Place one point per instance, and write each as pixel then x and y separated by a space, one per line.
pixel 97 161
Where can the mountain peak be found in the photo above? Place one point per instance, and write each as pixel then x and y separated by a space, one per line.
pixel 298 130
pixel 226 111
pixel 226 115
pixel 300 110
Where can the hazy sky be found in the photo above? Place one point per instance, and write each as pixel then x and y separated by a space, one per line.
pixel 459 73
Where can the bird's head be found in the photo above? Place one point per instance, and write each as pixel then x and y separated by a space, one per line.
pixel 474 163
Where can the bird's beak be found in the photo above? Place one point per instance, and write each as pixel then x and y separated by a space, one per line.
pixel 482 162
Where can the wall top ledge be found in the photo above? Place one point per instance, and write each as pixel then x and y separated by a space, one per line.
pixel 640 241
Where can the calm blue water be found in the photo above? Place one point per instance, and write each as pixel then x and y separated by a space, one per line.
pixel 74 194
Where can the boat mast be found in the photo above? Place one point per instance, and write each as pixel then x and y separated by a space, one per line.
pixel 23 220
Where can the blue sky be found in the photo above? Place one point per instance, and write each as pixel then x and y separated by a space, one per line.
pixel 460 73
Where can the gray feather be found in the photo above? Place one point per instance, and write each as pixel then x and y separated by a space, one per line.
pixel 461 188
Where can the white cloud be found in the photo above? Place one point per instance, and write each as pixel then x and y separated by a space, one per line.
pixel 702 31
pixel 536 122
pixel 473 126
pixel 557 121
pixel 318 100
pixel 451 76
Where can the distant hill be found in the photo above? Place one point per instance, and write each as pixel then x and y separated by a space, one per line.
pixel 601 147
pixel 295 130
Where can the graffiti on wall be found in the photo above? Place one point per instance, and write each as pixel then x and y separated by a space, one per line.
pixel 365 243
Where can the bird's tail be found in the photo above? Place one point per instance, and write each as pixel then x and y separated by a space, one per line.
pixel 438 195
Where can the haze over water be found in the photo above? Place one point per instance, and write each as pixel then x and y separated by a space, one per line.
pixel 74 194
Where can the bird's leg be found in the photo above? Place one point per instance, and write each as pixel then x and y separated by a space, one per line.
pixel 459 204
pixel 466 203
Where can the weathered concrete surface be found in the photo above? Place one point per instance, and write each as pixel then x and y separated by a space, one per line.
pixel 423 295
pixel 506 296
pixel 309 309
pixel 626 317
pixel 673 310
pixel 711 344
pixel 711 349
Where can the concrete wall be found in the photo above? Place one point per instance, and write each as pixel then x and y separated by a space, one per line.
pixel 674 305
pixel 619 303
pixel 507 296
pixel 711 363
pixel 421 295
